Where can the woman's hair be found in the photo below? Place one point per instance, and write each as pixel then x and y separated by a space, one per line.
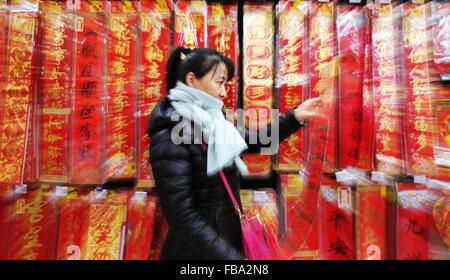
pixel 198 61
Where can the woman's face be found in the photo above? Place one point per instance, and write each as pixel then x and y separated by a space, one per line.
pixel 212 83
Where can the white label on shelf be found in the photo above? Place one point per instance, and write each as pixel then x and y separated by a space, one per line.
pixel 343 176
pixel 442 156
pixel 420 179
pixel 344 198
pixel 378 176
pixel 61 191
pixel 323 1
pixel 100 194
pixel 140 196
pixel 78 24
pixel 20 188
pixel 259 196
pixel 355 1
pixel 385 1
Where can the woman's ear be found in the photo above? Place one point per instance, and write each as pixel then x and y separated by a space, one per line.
pixel 190 79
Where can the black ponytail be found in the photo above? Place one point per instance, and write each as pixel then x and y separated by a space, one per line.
pixel 198 61
pixel 173 65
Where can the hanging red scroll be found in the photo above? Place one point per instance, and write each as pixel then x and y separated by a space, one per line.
pixel 190 23
pixel 73 225
pixel 106 226
pixel 140 226
pixel 6 211
pixel 16 97
pixel 419 131
pixel 413 219
pixel 296 242
pixel 121 91
pixel 291 77
pixel 54 92
pixel 367 146
pixel 336 221
pixel 87 96
pixel 258 76
pixel 223 36
pixel 322 49
pixel 373 222
pixel 350 31
pixel 34 225
pixel 388 102
pixel 154 44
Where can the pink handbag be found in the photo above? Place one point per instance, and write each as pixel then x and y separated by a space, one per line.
pixel 254 236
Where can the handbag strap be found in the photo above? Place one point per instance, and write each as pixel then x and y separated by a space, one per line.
pixel 230 193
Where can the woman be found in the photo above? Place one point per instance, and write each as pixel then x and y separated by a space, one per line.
pixel 202 221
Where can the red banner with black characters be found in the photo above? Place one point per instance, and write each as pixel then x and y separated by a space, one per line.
pixel 350 27
pixel 121 87
pixel 258 52
pixel 387 95
pixel 336 221
pixel 291 76
pixel 54 92
pixel 223 36
pixel 34 225
pixel 155 20
pixel 16 97
pixel 367 146
pixel 190 24
pixel 322 49
pixel 413 219
pixel 88 94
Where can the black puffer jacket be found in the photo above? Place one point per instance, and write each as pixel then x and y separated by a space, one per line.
pixel 201 218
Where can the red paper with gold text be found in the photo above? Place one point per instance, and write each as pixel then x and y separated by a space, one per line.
pixel 322 49
pixel 190 24
pixel 387 95
pixel 155 41
pixel 140 226
pixel 120 133
pixel 6 208
pixel 223 36
pixel 34 225
pixel 419 132
pixel 73 226
pixel 291 77
pixel 258 52
pixel 54 92
pixel 16 95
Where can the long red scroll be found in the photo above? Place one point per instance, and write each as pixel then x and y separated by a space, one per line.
pixel 223 36
pixel 258 75
pixel 88 94
pixel 388 107
pixel 54 92
pixel 155 42
pixel 291 76
pixel 121 87
pixel 351 42
pixel 16 95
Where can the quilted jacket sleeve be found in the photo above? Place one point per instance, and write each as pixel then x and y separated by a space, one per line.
pixel 288 124
pixel 172 170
